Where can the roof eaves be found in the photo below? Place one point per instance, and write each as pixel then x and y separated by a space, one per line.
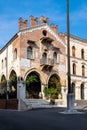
pixel 9 42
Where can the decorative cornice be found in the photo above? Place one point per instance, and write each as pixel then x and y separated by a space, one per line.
pixel 78 59
pixel 77 39
pixel 79 76
pixel 74 61
pixel 9 42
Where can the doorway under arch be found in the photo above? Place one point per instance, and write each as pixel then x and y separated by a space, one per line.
pixel 82 91
pixel 73 89
pixel 33 85
pixel 13 84
pixel 54 82
pixel 3 82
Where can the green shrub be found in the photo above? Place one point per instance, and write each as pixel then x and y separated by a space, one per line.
pixel 53 92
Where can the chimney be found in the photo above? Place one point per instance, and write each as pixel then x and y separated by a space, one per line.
pixel 62 36
pixel 54 28
pixel 33 21
pixel 43 20
pixel 22 24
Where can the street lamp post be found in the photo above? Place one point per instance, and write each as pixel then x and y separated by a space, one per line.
pixel 70 95
pixel 6 77
pixel 68 47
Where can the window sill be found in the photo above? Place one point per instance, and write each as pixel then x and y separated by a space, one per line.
pixel 30 58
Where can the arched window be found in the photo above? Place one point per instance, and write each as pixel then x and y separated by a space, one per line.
pixel 74 68
pixel 13 84
pixel 29 52
pixel 73 51
pixel 82 91
pixel 73 88
pixel 3 83
pixel 82 53
pixel 83 70
pixel 15 53
pixel 2 64
pixel 44 57
pixel 55 57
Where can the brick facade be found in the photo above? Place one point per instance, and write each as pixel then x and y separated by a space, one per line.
pixel 41 38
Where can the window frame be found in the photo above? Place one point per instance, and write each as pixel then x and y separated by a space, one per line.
pixel 29 56
pixel 73 51
pixel 82 53
pixel 83 70
pixel 55 60
pixel 74 68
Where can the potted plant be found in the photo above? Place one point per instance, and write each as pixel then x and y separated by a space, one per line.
pixel 52 92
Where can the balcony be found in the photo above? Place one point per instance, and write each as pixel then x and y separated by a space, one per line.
pixel 47 62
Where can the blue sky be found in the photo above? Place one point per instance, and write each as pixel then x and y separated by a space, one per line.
pixel 55 10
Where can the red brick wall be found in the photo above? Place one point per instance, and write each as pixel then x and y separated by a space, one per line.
pixel 2 104
pixel 9 104
pixel 35 36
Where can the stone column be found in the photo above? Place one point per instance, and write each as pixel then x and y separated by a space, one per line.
pixel 42 90
pixel 21 88
pixel 7 89
pixel 77 91
pixel 85 91
pixel 64 94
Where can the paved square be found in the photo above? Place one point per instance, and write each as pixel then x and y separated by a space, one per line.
pixel 42 119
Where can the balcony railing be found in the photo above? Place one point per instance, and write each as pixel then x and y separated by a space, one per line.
pixel 48 61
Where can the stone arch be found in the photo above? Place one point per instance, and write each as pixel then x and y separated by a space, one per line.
pixel 2 76
pixel 3 83
pixel 12 69
pixel 54 76
pixel 54 84
pixel 53 73
pixel 33 84
pixel 13 84
pixel 42 77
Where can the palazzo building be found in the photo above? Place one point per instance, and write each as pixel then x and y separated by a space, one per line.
pixel 78 57
pixel 78 65
pixel 40 51
pixel 35 50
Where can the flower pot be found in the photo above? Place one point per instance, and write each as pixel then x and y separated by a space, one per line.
pixel 52 101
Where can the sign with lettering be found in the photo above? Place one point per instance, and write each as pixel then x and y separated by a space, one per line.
pixel 25 62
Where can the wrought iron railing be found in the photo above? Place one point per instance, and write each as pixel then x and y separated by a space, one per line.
pixel 48 61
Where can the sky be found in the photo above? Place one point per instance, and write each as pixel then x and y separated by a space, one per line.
pixel 55 10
